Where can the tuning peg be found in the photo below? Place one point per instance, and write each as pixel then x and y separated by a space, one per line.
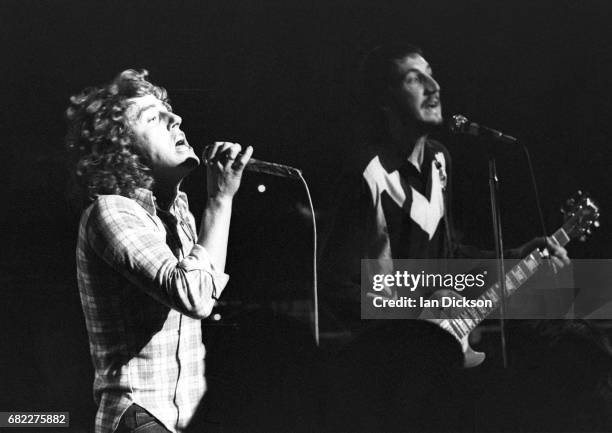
pixel 596 224
pixel 588 232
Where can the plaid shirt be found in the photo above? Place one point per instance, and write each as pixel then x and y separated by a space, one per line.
pixel 144 285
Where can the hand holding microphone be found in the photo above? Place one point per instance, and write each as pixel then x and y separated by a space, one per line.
pixel 224 167
pixel 265 167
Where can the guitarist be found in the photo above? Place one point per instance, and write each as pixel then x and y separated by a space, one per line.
pixel 393 200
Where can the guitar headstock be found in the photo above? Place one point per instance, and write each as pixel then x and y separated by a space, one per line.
pixel 581 216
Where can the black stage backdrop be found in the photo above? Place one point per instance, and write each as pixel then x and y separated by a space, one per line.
pixel 279 75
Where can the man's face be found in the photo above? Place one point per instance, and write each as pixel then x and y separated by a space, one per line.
pixel 415 93
pixel 159 138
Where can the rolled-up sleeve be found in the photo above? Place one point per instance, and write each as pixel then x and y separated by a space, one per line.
pixel 133 243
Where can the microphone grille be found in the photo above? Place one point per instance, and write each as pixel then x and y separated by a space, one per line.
pixel 458 124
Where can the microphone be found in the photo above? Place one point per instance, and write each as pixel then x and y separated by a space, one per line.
pixel 272 168
pixel 459 124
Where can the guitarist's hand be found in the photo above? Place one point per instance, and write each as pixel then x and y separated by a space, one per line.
pixel 558 254
pixel 553 249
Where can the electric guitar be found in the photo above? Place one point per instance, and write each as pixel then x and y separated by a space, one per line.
pixel 581 217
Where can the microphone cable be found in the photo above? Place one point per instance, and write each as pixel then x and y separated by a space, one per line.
pixel 535 190
pixel 315 289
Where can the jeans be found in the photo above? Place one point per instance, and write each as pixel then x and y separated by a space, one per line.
pixel 137 420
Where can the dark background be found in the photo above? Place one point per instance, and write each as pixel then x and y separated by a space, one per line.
pixel 280 75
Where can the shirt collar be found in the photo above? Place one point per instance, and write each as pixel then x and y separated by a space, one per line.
pixel 145 198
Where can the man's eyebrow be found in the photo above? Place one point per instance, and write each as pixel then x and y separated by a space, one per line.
pixel 413 70
pixel 143 109
pixel 427 69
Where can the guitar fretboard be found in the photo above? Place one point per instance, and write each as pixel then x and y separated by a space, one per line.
pixel 469 317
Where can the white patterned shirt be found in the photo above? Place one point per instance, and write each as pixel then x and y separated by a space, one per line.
pixel 144 285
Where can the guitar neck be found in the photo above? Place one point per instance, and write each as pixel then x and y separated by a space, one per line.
pixel 515 278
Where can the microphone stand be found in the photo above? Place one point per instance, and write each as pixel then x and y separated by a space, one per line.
pixel 461 124
pixel 499 251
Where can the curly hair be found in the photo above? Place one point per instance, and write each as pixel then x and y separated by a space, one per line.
pixel 105 160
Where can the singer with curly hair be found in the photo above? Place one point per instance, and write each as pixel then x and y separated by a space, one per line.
pixel 146 276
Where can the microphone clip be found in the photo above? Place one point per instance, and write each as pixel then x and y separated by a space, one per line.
pixel 459 124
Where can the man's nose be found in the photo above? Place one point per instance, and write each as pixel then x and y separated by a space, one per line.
pixel 431 85
pixel 174 120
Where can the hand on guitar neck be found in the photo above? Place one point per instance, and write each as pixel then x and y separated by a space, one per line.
pixel 551 247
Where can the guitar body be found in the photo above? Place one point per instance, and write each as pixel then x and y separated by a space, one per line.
pixel 441 316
